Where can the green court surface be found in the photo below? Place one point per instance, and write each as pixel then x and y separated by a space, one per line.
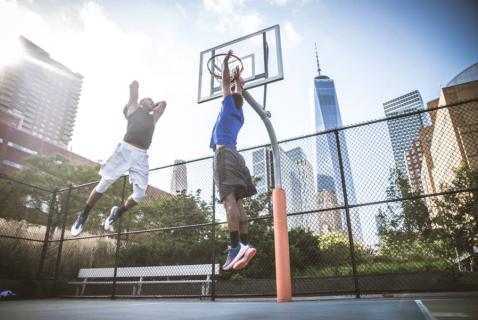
pixel 357 309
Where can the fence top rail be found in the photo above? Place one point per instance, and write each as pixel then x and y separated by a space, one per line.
pixel 152 271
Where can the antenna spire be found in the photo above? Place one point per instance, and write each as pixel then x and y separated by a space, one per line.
pixel 317 58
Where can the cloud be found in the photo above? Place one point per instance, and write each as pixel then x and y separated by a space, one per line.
pixel 230 16
pixel 292 37
pixel 227 7
pixel 181 9
pixel 280 3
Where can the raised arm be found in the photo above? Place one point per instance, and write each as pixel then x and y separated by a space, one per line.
pixel 158 110
pixel 226 76
pixel 133 98
pixel 238 81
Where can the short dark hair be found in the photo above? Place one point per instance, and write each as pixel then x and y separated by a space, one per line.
pixel 140 102
pixel 238 100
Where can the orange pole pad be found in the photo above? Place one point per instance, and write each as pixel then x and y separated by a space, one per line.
pixel 281 245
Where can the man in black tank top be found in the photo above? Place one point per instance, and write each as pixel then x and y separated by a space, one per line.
pixel 130 155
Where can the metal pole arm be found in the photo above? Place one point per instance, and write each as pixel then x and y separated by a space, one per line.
pixel 272 135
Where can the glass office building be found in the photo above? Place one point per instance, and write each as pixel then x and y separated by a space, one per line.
pixel 327 117
pixel 403 131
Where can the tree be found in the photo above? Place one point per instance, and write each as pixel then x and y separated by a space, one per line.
pixel 12 204
pixel 408 218
pixel 456 219
pixel 181 242
pixel 405 226
pixel 49 172
pixel 335 250
pixel 407 230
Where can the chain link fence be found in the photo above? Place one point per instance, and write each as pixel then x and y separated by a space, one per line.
pixel 360 219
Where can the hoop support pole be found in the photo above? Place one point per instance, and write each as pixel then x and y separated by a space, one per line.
pixel 281 246
pixel 281 236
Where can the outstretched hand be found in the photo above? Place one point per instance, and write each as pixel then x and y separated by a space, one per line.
pixel 228 55
pixel 159 108
pixel 238 81
pixel 134 85
pixel 237 75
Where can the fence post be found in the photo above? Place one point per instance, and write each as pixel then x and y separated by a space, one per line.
pixel 213 239
pixel 62 237
pixel 47 232
pixel 118 242
pixel 347 215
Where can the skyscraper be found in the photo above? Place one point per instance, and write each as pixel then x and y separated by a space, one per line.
pixel 404 131
pixel 43 92
pixel 303 195
pixel 297 179
pixel 261 169
pixel 326 115
pixel 179 177
pixel 413 162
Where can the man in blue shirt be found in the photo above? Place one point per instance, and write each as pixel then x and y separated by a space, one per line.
pixel 231 175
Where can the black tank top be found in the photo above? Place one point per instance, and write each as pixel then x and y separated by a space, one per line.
pixel 140 128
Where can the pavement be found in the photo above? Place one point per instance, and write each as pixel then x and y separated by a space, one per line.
pixel 463 307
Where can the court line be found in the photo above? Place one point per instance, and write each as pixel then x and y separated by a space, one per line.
pixel 426 313
pixel 451 315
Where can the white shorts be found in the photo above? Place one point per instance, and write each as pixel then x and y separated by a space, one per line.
pixel 126 158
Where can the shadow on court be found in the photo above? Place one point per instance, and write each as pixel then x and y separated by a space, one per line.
pixel 388 309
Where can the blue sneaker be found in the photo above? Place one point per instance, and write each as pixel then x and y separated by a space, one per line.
pixel 234 255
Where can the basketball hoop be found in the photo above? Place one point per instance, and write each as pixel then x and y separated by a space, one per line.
pixel 214 65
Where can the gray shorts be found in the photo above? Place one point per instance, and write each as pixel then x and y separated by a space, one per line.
pixel 231 174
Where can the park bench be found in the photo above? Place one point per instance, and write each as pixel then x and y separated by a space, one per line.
pixel 103 276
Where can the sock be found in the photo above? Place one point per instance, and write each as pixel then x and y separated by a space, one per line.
pixel 234 236
pixel 86 210
pixel 121 210
pixel 243 237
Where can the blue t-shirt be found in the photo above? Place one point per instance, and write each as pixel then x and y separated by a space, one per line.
pixel 228 123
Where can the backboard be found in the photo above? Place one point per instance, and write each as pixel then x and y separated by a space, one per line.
pixel 261 56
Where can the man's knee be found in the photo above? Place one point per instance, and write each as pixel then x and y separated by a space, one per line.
pixel 230 201
pixel 138 193
pixel 104 185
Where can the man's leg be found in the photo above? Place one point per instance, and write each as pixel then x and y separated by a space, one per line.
pixel 93 198
pixel 237 249
pixel 128 204
pixel 244 232
pixel 233 218
pixel 117 212
pixel 95 195
pixel 243 223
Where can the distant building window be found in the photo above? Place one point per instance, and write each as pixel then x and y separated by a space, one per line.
pixel 12 164
pixel 22 148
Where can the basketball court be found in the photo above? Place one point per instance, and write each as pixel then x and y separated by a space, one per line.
pixel 447 308
pixel 259 57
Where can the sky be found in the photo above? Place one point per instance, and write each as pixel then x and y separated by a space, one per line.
pixel 374 50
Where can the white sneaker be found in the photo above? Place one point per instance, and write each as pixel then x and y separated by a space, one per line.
pixel 111 219
pixel 244 261
pixel 78 225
